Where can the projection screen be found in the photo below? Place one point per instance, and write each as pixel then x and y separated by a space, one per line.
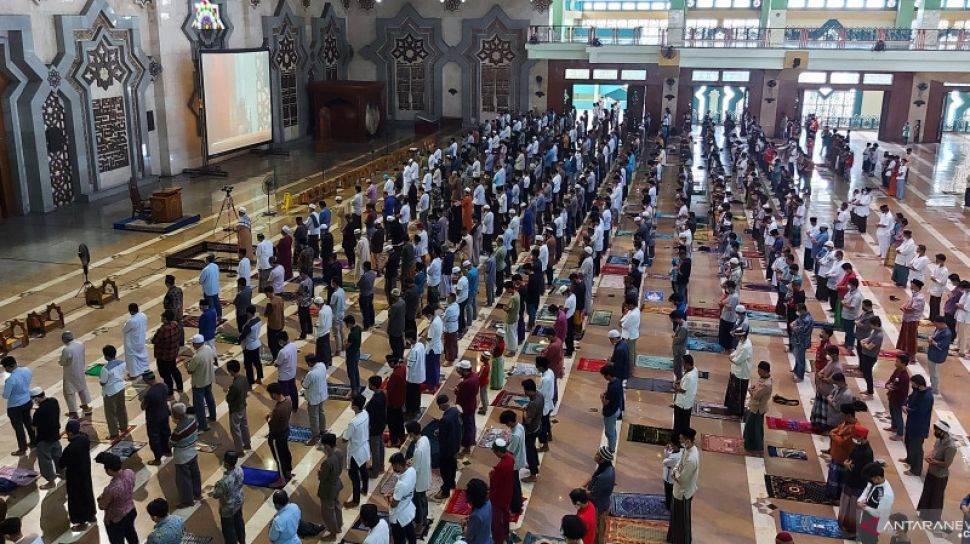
pixel 237 99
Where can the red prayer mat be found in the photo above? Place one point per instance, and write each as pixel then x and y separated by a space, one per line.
pixel 615 269
pixel 758 307
pixel 722 444
pixel 887 284
pixel 842 349
pixel 785 424
pixel 591 365
pixel 458 505
pixel 483 341
pixel 712 313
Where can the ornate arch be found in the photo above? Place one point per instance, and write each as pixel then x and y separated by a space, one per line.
pixel 330 52
pixel 283 33
pixel 409 53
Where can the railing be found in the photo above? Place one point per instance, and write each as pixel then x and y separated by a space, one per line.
pixel 854 122
pixel 825 37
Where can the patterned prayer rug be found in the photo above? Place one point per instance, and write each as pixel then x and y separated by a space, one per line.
pixel 713 410
pixel 504 399
pixel 635 531
pixel 795 489
pixel 759 307
pixel 791 425
pixel 544 314
pixel 767 331
pixel 226 338
pixel 483 341
pixel 523 369
pixel 447 532
pixel 662 310
pixel 653 296
pixel 338 391
pixel 458 505
pixel 615 269
pixel 125 448
pixel 787 453
pixel 489 435
pixel 722 444
pixel 190 321
pixel 638 506
pixel 646 434
pixel 710 313
pixel 700 344
pixel 658 385
pixel 656 362
pixel 20 476
pixel 532 538
pixel 390 480
pixel 299 433
pixel 764 316
pixel 540 330
pixel 195 539
pixel 533 348
pixel 601 318
pixel 810 525
pixel 381 514
pixel 591 365
pixel 657 276
pixel 611 281
pixel 882 284
pixel 618 259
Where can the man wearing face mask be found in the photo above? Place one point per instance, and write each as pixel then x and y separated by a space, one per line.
pixel 855 480
pixel 930 504
pixel 729 301
pixel 919 412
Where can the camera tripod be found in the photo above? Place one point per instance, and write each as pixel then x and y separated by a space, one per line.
pixel 229 208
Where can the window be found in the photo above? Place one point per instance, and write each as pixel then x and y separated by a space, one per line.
pixel 706 75
pixel 577 73
pixel 877 79
pixel 637 75
pixel 842 4
pixel 955 4
pixel 599 73
pixel 410 86
pixel 812 77
pixel 623 5
pixel 724 4
pixel 735 75
pixel 844 78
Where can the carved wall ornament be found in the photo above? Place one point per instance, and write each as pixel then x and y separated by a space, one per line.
pixel 409 50
pixel 541 6
pixel 54 78
pixel 104 66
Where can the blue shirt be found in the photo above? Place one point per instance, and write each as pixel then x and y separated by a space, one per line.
pixel 168 531
pixel 499 179
pixel 17 387
pixel 920 404
pixel 479 527
pixel 472 281
pixel 943 337
pixel 614 397
pixel 285 524
pixel 207 324
pixel 325 217
pixel 528 222
pixel 389 204
pixel 451 317
pixel 209 279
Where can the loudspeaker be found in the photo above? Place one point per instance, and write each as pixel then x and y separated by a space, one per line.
pixel 796 60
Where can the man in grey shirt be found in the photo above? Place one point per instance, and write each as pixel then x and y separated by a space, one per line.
pixel 728 315
pixel 851 308
pixel 395 324
pixel 679 342
pixel 532 421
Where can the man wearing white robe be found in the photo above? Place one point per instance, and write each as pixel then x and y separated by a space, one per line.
pixel 136 351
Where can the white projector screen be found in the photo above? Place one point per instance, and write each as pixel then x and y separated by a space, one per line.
pixel 236 95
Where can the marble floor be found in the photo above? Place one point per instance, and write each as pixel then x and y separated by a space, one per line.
pixel 731 505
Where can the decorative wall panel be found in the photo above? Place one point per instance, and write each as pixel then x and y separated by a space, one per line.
pixel 288 55
pixel 58 149
pixel 110 133
pixel 330 52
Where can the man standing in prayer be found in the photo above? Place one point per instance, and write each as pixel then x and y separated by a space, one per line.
pixel 919 412
pixel 742 359
pixel 75 465
pixel 855 480
pixel 876 503
pixel 912 313
pixel 316 392
pixel 209 281
pixel 358 450
pixel 112 380
pixel 229 491
pixel 500 490
pixel 117 500
pixel 73 364
pixel 466 396
pixel 279 432
pixel 285 363
pixel 47 425
pixel 16 391
pixel 421 461
pixel 685 486
pixel 236 395
pixel 612 401
pixel 264 252
pixel 135 332
pixel 202 369
pixel 685 391
pixel 330 484
pixel 630 330
pixel 931 500
pixel 758 395
pixel 600 489
pixel 154 402
pixel 512 309
pixel 449 441
pixel 188 479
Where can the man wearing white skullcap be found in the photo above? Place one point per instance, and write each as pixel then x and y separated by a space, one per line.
pixel 501 488
pixel 587 269
pixel 466 396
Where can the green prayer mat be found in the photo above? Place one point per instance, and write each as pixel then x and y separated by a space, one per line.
pixel 646 434
pixel 447 532
pixel 656 362
pixel 601 318
pixel 533 348
pixel 226 338
pixel 95 370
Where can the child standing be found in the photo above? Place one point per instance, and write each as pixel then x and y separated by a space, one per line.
pixel 484 375
pixel 672 455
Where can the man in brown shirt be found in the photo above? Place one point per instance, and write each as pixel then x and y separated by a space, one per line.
pixel 274 319
pixel 174 301
pixel 759 393
pixel 279 432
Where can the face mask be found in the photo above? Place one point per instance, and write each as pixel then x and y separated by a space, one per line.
pixel 857 441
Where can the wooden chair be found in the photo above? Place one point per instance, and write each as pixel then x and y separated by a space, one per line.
pixel 99 296
pixel 140 208
pixel 40 323
pixel 9 337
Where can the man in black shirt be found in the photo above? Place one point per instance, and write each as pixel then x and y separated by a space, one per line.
pixel 154 402
pixel 449 443
pixel 534 291
pixel 47 426
pixel 683 273
pixel 377 414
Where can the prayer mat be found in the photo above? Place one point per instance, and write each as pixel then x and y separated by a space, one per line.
pixel 615 269
pixel 381 514
pixel 544 314
pixel 190 321
pixel 759 307
pixel 258 477
pixel 533 348
pixel 490 434
pixel 620 233
pixel 94 370
pixel 842 349
pixel 97 431
pixel 658 385
pixel 351 287
pixel 601 318
pixel 591 365
pixel 482 341
pixel 795 489
pixel 662 310
pixel 523 369
pixel 338 391
pixel 653 296
pixel 664 236
pixel 787 453
pixel 722 444
pixel 364 357
pixel 540 330
pixel 701 236
pixel 226 338
pixel 750 254
pixel 532 538
pixel 447 532
pixel 299 433
pixel 713 411
pixel 657 276
pixel 767 331
pixel 22 477
pixel 710 313
pixel 886 354
pixel 762 287
pixel 867 256
pixel 458 505
pixel 852 372
pixel 764 316
pixel 387 484
pixel 638 506
pixel 611 281
pixel 618 259
pixel 195 539
pixel 810 525
pixel 646 434
pixel 698 344
pixel 791 425
pixel 131 394
pixel 898 319
pixel 704 333
pixel 635 531
pixel 504 399
pixel 695 325
pixel 126 448
pixel 885 284
pixel 656 362
pixel 559 282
